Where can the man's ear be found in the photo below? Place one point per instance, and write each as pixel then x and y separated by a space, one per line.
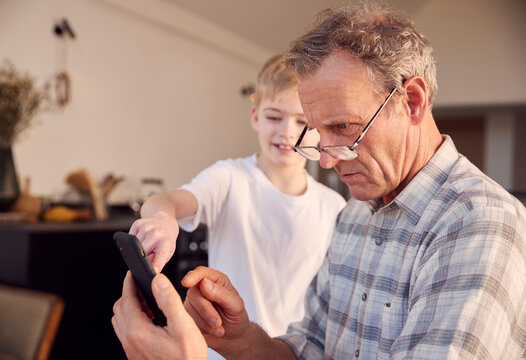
pixel 416 99
pixel 254 118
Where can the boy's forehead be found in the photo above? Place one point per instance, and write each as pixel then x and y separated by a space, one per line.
pixel 277 94
pixel 285 101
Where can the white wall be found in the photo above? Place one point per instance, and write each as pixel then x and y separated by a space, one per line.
pixel 480 46
pixel 155 90
pixel 152 82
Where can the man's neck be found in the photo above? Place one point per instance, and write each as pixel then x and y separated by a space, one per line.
pixel 425 144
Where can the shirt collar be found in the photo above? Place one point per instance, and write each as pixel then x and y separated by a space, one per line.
pixel 416 196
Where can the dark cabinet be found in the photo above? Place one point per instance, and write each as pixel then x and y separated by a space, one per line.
pixel 80 262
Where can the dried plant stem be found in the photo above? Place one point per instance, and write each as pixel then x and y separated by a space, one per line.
pixel 20 102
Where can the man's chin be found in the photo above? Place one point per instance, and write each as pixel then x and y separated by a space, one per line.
pixel 362 194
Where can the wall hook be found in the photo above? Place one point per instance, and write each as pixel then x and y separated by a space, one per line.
pixel 63 28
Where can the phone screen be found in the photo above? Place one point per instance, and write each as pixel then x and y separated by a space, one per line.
pixel 142 270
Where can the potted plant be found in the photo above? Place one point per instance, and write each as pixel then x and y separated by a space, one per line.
pixel 20 102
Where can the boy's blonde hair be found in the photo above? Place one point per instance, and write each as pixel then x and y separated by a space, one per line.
pixel 273 79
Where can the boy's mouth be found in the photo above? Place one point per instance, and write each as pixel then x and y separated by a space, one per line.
pixel 282 146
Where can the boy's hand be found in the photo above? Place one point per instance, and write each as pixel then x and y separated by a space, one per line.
pixel 141 339
pixel 158 235
pixel 217 309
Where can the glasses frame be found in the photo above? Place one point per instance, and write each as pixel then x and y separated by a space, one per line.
pixel 352 148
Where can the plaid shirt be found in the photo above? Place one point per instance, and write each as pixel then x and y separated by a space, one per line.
pixel 439 273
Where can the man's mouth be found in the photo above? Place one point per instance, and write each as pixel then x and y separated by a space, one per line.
pixel 346 174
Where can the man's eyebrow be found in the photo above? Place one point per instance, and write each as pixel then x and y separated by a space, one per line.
pixel 346 119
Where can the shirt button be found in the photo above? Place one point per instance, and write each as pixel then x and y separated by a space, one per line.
pixel 357 353
pixel 364 296
pixel 379 241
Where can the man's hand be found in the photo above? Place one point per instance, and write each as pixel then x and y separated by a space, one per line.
pixel 141 339
pixel 224 323
pixel 158 235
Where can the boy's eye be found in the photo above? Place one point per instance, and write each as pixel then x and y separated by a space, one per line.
pixel 273 118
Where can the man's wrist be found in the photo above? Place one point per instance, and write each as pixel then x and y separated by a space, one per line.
pixel 256 344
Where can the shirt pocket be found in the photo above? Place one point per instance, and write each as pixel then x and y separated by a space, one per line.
pixel 394 314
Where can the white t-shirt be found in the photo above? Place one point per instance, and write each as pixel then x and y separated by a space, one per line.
pixel 268 243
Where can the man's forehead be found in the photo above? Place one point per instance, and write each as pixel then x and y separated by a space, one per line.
pixel 336 106
pixel 333 81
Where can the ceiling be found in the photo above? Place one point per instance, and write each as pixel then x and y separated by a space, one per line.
pixel 271 24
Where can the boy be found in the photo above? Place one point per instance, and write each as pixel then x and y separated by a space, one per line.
pixel 269 222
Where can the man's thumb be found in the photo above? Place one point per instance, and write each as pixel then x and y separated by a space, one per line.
pixel 168 299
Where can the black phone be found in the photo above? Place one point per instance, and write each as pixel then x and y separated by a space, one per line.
pixel 142 270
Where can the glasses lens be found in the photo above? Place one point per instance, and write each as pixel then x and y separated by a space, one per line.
pixel 341 152
pixel 310 153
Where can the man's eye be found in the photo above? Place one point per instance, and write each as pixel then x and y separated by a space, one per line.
pixel 345 129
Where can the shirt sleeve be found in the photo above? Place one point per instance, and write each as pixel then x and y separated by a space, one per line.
pixel 306 338
pixel 210 187
pixel 468 294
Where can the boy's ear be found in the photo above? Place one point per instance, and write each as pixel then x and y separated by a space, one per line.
pixel 254 118
pixel 416 99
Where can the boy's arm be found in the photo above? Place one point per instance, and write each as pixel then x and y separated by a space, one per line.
pixel 158 229
pixel 178 203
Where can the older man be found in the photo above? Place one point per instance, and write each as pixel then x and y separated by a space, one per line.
pixel 428 259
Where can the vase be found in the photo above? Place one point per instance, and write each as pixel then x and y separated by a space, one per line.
pixel 9 188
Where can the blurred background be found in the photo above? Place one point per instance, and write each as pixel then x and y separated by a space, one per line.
pixel 156 87
pixel 146 93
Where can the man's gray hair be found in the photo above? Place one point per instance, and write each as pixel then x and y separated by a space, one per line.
pixel 385 40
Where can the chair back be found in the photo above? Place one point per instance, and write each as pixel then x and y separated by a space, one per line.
pixel 29 321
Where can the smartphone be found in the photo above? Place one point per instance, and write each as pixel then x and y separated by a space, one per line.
pixel 142 270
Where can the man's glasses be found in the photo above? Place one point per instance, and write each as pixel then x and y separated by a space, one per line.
pixel 342 152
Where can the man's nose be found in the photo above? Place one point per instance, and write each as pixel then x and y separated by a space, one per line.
pixel 327 161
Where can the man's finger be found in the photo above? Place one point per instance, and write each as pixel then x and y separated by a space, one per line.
pixel 117 328
pixel 195 276
pixel 130 302
pixel 129 289
pixel 171 305
pixel 203 311
pixel 126 309
pixel 202 324
pixel 228 300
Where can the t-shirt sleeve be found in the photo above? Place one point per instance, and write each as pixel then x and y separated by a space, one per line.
pixel 210 187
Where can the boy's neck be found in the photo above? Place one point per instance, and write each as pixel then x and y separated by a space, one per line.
pixel 290 180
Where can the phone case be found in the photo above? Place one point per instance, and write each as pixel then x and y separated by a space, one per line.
pixel 142 270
